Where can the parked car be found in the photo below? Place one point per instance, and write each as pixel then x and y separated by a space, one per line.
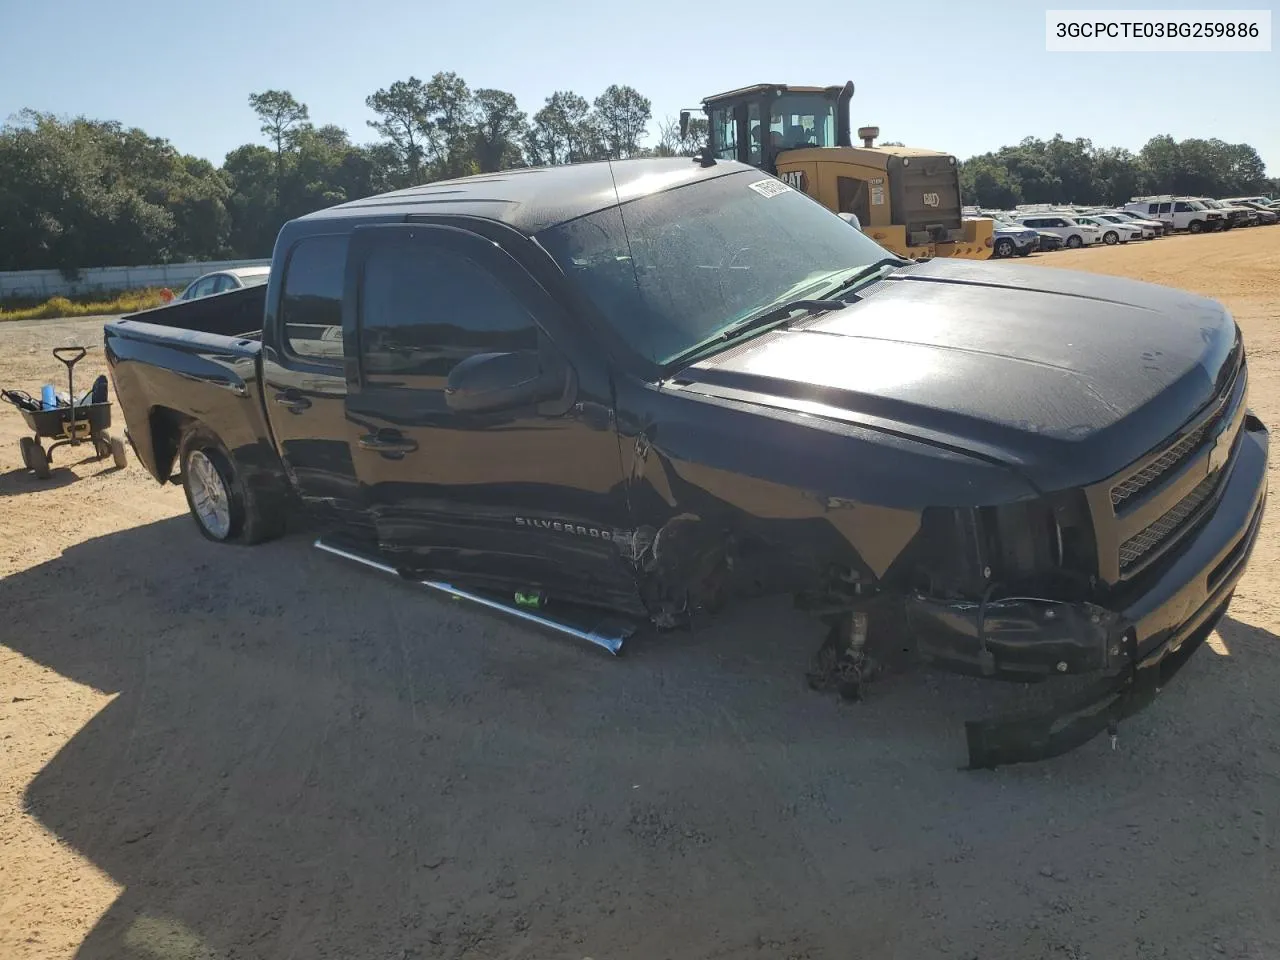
pixel 1178 213
pixel 1048 241
pixel 1113 232
pixel 1013 238
pixel 1234 215
pixel 221 281
pixel 504 387
pixel 1266 214
pixel 1073 233
pixel 1155 226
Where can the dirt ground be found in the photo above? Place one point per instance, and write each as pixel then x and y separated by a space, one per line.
pixel 212 753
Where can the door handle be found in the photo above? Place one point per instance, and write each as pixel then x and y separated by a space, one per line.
pixel 292 401
pixel 390 443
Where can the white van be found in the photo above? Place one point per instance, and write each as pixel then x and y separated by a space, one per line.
pixel 1177 213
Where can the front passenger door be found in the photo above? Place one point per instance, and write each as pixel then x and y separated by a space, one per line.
pixel 463 419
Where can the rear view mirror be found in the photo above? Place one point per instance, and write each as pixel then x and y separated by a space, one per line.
pixel 489 382
pixel 851 219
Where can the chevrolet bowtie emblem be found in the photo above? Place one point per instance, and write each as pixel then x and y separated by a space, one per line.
pixel 1219 452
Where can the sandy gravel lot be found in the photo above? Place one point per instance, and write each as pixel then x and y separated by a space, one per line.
pixel 216 754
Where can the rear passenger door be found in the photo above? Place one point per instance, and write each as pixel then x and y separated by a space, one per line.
pixel 304 383
pixel 465 418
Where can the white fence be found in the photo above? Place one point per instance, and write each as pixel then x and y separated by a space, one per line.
pixel 42 284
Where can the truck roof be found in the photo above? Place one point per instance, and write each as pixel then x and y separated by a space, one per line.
pixel 530 199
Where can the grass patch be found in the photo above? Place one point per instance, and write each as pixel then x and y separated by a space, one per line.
pixel 87 305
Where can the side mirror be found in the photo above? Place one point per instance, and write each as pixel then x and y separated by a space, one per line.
pixel 684 124
pixel 851 219
pixel 489 382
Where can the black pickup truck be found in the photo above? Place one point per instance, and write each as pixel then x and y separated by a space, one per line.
pixel 652 387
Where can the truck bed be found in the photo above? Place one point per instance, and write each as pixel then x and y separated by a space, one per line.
pixel 237 313
pixel 192 361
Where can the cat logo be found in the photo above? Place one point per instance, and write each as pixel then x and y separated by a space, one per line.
pixel 932 200
pixel 794 179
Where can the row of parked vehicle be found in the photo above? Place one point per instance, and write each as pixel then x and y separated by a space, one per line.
pixel 1044 227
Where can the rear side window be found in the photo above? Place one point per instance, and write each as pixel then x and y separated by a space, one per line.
pixel 1165 207
pixel 423 310
pixel 311 313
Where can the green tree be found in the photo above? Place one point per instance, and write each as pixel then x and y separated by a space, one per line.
pixel 1160 165
pixel 563 131
pixel 279 113
pixel 621 117
pixel 452 113
pixel 500 128
pixel 404 119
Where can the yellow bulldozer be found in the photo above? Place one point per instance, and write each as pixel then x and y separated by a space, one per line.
pixel 907 199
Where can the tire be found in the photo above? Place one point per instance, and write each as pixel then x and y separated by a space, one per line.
pixel 1025 251
pixel 25 444
pixel 1004 247
pixel 1110 238
pixel 118 454
pixel 38 460
pixel 1074 241
pixel 1196 226
pixel 223 507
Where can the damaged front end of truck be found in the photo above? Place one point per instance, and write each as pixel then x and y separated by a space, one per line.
pixel 1097 593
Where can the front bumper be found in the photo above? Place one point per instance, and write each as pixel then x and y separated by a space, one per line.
pixel 1132 651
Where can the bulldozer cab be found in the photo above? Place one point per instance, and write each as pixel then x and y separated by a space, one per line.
pixel 905 198
pixel 755 124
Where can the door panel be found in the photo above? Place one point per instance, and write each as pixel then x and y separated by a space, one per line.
pixel 304 382
pixel 529 496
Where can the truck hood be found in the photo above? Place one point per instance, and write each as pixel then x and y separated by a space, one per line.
pixel 1066 376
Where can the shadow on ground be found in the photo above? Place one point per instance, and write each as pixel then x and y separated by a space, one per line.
pixel 305 760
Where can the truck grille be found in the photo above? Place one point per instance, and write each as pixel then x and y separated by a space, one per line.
pixel 1182 450
pixel 1171 459
pixel 1157 533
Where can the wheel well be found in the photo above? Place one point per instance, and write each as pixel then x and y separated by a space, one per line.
pixel 167 427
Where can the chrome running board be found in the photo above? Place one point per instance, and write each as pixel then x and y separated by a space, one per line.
pixel 609 636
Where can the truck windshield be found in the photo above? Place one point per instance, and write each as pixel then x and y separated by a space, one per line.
pixel 671 269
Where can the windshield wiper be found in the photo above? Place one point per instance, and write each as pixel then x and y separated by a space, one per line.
pixel 865 273
pixel 771 316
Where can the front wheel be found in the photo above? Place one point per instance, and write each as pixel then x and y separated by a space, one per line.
pixel 1074 241
pixel 1004 247
pixel 34 457
pixel 1195 226
pixel 1110 238
pixel 118 455
pixel 1025 251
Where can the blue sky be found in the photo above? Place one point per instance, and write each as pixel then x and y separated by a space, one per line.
pixel 960 77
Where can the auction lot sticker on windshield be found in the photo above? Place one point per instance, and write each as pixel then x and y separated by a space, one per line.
pixel 769 188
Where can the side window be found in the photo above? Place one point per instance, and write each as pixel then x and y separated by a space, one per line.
pixel 755 147
pixel 203 288
pixel 725 129
pixel 311 313
pixel 223 283
pixel 424 309
pixel 854 198
pixel 1165 208
pixel 1181 207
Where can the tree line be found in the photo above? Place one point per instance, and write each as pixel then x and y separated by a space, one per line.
pixel 81 192
pixel 1076 171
